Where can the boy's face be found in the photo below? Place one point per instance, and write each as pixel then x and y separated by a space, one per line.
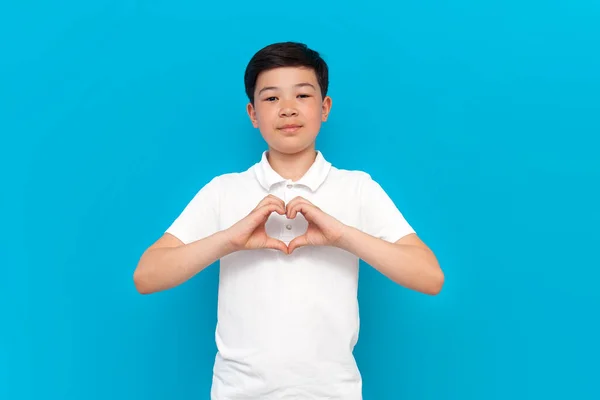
pixel 288 108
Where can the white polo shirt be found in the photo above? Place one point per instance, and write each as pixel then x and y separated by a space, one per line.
pixel 287 324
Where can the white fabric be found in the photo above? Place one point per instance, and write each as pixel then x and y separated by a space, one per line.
pixel 288 324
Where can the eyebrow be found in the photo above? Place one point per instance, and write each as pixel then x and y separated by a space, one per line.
pixel 303 84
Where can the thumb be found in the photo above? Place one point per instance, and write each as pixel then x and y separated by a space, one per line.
pixel 297 242
pixel 276 245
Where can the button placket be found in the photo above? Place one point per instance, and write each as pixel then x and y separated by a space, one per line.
pixel 287 231
pixel 287 191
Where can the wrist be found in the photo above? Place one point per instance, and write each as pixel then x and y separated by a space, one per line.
pixel 226 241
pixel 346 238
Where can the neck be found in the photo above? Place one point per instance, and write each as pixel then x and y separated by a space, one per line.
pixel 292 166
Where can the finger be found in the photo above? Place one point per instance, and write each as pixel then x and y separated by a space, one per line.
pixel 270 199
pixel 297 199
pixel 276 245
pixel 300 207
pixel 260 215
pixel 269 208
pixel 296 243
pixel 294 204
pixel 264 202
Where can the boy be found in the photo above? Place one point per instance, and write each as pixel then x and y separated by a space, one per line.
pixel 289 233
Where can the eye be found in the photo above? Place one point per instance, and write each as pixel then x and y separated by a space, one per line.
pixel 271 98
pixel 304 96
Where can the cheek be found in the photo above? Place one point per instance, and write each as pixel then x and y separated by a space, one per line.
pixel 313 113
pixel 265 116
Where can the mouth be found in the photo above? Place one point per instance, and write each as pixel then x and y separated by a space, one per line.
pixel 289 128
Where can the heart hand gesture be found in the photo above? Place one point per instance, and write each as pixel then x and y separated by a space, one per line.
pixel 250 234
pixel 323 229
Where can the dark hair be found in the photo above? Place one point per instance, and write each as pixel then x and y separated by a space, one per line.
pixel 285 54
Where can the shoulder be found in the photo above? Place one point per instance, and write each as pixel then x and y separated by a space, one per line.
pixel 233 178
pixel 360 183
pixel 363 185
pixel 229 181
pixel 349 176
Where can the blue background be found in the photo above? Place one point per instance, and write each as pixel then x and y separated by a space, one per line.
pixel 480 119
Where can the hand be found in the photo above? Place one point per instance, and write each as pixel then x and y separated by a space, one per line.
pixel 249 233
pixel 323 229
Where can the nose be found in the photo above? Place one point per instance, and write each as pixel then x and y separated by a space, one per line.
pixel 288 112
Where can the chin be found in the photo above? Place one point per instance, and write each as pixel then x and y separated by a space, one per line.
pixel 291 146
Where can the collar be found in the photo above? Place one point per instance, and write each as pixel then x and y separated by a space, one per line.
pixel 313 178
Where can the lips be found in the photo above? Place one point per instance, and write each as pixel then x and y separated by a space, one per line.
pixel 290 128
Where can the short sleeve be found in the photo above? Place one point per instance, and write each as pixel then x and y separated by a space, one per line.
pixel 200 218
pixel 380 217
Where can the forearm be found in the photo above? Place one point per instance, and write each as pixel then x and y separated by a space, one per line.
pixel 410 266
pixel 164 268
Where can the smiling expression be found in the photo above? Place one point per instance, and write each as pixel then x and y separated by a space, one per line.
pixel 288 108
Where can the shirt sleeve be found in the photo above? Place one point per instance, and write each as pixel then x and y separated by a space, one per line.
pixel 380 217
pixel 200 217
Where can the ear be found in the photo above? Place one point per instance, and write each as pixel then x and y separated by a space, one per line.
pixel 325 108
pixel 252 114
